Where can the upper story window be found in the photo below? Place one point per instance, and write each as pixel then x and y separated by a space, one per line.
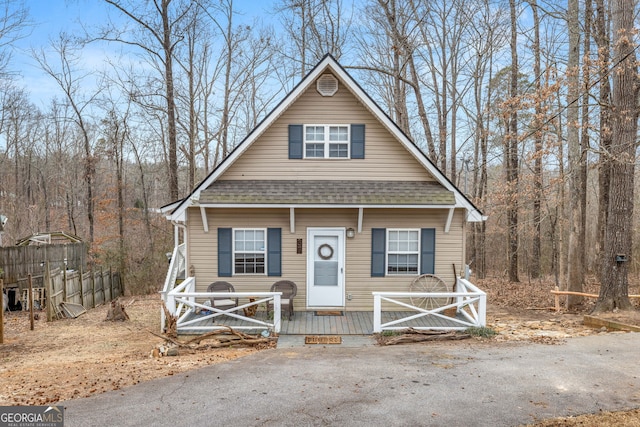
pixel 326 141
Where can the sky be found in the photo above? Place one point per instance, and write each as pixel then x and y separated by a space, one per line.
pixel 50 17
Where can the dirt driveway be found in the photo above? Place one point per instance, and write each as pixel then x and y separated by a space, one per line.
pixel 72 358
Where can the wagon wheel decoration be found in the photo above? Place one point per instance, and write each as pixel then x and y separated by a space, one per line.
pixel 428 283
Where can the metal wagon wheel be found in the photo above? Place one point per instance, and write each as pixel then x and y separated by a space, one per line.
pixel 428 283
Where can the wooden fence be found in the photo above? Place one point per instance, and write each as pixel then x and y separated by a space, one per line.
pixel 89 289
pixel 19 261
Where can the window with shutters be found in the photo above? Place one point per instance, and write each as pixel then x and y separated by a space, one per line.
pixel 249 251
pixel 403 251
pixel 326 141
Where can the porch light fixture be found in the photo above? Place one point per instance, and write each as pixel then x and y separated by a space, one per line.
pixel 351 233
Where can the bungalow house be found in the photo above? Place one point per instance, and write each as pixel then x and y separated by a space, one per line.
pixel 326 192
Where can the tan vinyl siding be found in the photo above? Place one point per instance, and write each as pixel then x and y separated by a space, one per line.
pixel 385 157
pixel 358 281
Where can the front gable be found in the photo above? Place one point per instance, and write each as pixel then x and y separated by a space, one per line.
pixel 373 152
pixel 389 155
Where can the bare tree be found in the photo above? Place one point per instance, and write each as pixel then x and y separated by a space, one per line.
pixel 624 124
pixel 511 155
pixel 395 23
pixel 601 36
pixel 313 28
pixel 537 129
pixel 487 37
pixel 160 25
pixel 69 79
pixel 575 272
pixel 14 21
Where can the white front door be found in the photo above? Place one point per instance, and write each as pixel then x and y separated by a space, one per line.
pixel 325 267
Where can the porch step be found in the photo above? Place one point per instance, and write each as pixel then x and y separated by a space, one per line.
pixel 350 341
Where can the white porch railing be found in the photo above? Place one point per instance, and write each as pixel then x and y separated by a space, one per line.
pixel 469 301
pixel 176 266
pixel 183 302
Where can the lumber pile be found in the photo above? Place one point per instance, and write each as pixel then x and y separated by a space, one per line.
pixel 221 338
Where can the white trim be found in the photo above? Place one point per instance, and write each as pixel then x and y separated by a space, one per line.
pixel 360 217
pixel 323 206
pixel 292 220
pixel 447 226
pixel 205 222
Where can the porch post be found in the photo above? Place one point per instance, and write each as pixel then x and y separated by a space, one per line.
pixel 377 315
pixel 277 315
pixel 482 310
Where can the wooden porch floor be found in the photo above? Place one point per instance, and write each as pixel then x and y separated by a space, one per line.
pixel 350 323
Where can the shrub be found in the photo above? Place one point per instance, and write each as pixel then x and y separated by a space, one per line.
pixel 481 331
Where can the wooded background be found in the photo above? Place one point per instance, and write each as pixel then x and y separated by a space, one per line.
pixel 530 107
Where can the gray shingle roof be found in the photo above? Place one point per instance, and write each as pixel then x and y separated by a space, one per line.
pixel 300 192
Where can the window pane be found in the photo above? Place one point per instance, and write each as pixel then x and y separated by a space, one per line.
pixel 239 240
pixel 338 133
pixel 314 133
pixel 314 150
pixel 249 263
pixel 338 150
pixel 402 264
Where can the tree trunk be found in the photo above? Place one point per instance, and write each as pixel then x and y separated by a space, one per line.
pixel 601 36
pixel 575 270
pixel 171 101
pixel 584 137
pixel 512 153
pixel 537 165
pixel 618 243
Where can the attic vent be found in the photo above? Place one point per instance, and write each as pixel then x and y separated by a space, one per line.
pixel 327 85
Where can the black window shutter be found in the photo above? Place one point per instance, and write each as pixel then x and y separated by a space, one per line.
pixel 427 250
pixel 357 141
pixel 378 251
pixel 274 254
pixel 225 252
pixel 295 141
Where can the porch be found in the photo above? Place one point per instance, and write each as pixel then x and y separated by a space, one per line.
pixel 318 323
pixel 391 311
pixel 460 309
